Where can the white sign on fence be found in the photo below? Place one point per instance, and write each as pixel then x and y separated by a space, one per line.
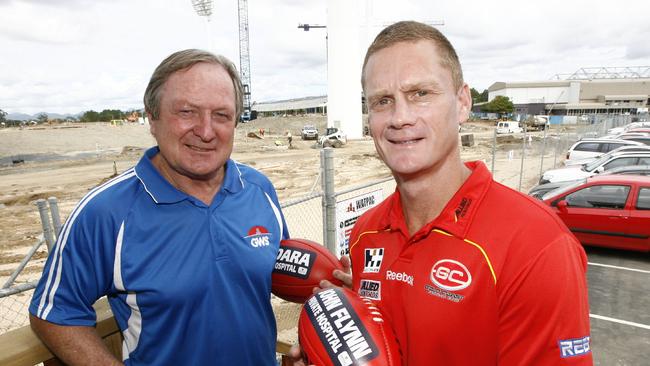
pixel 347 213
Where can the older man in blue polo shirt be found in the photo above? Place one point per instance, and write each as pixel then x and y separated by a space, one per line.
pixel 183 244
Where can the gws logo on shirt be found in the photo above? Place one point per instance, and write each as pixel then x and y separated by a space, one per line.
pixel 450 275
pixel 258 236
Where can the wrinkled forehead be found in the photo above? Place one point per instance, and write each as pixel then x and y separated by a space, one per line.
pixel 400 55
pixel 404 65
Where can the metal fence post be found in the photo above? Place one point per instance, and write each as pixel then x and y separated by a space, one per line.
pixel 523 154
pixel 56 218
pixel 541 164
pixel 494 150
pixel 45 222
pixel 328 199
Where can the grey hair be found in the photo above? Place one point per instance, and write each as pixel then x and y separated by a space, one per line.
pixel 182 60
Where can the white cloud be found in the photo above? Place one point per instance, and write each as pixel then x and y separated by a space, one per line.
pixel 66 56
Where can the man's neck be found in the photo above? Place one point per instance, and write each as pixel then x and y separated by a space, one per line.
pixel 202 189
pixel 425 196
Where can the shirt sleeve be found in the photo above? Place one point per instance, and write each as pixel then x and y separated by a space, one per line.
pixel 78 270
pixel 544 311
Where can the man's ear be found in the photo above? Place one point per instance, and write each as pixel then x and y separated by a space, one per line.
pixel 464 103
pixel 152 125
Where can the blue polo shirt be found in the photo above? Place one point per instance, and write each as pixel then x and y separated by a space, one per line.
pixel 188 283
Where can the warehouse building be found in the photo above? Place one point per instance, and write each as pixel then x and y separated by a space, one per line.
pixel 587 91
pixel 297 106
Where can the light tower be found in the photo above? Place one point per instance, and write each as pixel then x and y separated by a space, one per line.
pixel 204 9
pixel 244 58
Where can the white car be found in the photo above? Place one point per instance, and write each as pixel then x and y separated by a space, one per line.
pixel 599 165
pixel 627 148
pixel 593 148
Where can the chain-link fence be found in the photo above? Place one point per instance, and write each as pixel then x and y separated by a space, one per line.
pixel 518 160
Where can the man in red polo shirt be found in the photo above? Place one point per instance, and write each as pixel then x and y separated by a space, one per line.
pixel 468 271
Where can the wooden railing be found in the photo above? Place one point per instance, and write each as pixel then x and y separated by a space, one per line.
pixel 21 347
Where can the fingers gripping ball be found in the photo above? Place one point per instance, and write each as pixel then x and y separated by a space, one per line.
pixel 300 266
pixel 339 328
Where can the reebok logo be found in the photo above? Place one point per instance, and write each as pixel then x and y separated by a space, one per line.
pixel 402 277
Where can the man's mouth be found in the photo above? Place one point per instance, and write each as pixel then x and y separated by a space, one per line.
pixel 405 141
pixel 198 149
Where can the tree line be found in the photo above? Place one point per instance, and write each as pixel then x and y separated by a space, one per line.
pixel 500 103
pixel 106 115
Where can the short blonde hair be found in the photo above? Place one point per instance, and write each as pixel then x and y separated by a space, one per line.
pixel 411 31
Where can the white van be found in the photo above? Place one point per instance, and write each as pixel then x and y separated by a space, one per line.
pixel 509 127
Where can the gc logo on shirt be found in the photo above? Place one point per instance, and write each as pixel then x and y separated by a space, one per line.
pixel 258 236
pixel 449 276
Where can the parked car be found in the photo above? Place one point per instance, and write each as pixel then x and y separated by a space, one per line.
pixel 628 127
pixel 641 139
pixel 541 189
pixel 588 148
pixel 630 170
pixel 509 127
pixel 609 210
pixel 627 148
pixel 599 165
pixel 309 132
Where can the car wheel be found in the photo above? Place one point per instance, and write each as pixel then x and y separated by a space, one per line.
pixel 337 144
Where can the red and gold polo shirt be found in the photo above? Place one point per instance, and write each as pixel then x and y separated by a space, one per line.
pixel 496 278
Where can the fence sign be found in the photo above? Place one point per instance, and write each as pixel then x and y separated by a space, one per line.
pixel 347 213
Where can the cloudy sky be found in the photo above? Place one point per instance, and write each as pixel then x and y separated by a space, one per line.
pixel 68 56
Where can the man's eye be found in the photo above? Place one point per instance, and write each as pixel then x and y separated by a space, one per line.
pixel 221 115
pixel 185 112
pixel 421 93
pixel 383 101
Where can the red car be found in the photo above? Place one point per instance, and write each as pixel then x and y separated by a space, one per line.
pixel 610 211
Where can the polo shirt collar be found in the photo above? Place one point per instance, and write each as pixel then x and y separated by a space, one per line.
pixel 162 191
pixel 457 215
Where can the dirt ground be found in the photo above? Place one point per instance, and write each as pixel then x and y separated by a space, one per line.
pixel 66 161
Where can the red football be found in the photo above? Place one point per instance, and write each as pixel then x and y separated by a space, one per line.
pixel 337 327
pixel 300 266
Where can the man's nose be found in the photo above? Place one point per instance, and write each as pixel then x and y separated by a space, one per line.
pixel 204 128
pixel 402 113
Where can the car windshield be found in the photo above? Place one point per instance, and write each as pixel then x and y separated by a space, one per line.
pixel 589 167
pixel 562 189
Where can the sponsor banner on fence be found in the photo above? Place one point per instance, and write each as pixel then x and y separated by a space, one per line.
pixel 347 213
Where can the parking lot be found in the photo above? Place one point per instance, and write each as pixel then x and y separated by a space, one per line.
pixel 619 297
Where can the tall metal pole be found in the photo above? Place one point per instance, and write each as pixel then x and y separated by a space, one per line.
pixel 45 222
pixel 56 218
pixel 328 199
pixel 523 155
pixel 494 150
pixel 541 164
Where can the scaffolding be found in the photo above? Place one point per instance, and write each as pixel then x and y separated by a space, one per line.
pixel 591 73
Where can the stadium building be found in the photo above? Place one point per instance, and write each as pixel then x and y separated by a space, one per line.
pixel 602 90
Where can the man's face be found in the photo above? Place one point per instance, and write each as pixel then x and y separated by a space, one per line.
pixel 413 108
pixel 196 124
